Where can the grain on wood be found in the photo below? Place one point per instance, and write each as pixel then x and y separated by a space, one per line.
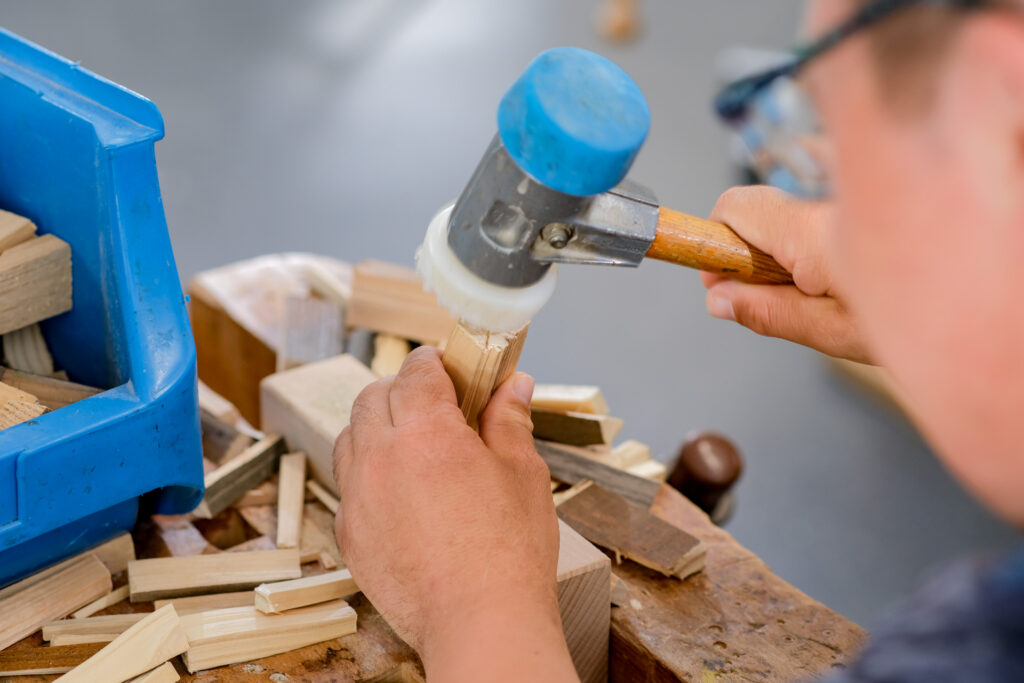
pixel 569 398
pixel 51 392
pixel 44 661
pixel 610 521
pixel 25 350
pixel 14 229
pixel 576 429
pixel 389 298
pixel 389 353
pixel 290 499
pixel 230 481
pixel 583 601
pixel 478 361
pixel 570 465
pixel 274 598
pixel 35 282
pixel 151 642
pixel 50 594
pixel 239 634
pixel 310 405
pixel 173 577
pixel 102 629
pixel 111 598
pixel 205 603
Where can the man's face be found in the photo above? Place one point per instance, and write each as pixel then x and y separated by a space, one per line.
pixel 928 251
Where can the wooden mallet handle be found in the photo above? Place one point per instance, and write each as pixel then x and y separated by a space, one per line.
pixel 707 245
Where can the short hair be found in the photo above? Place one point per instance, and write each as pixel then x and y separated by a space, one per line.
pixel 910 47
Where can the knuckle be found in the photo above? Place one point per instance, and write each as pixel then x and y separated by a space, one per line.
pixel 758 316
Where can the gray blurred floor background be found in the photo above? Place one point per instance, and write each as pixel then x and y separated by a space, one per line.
pixel 341 126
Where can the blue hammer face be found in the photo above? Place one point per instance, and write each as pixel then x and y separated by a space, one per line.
pixel 568 130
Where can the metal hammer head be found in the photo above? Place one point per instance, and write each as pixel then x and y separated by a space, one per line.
pixel 568 131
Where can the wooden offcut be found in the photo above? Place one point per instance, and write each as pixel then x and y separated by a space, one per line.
pixel 323 495
pixel 205 603
pixel 629 530
pixel 571 465
pixel 165 673
pixel 478 361
pixel 290 499
pixel 230 481
pixel 171 577
pixel 14 230
pixel 583 602
pixel 111 598
pixel 50 594
pixel 35 282
pixel 51 392
pixel 44 661
pixel 149 643
pixel 310 405
pixel 240 634
pixel 389 298
pixel 389 353
pixel 569 398
pixel 311 330
pixel 274 598
pixel 102 629
pixel 222 440
pixel 577 429
pixel 26 350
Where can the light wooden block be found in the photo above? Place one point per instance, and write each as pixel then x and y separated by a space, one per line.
pixel 35 282
pixel 111 598
pixel 50 594
pixel 274 598
pixel 101 629
pixel 143 647
pixel 389 298
pixel 51 392
pixel 310 405
pixel 205 603
pixel 172 577
pixel 478 361
pixel 26 350
pixel 630 453
pixel 240 634
pixel 15 412
pixel 44 661
pixel 577 429
pixel 290 499
pixel 324 496
pixel 566 398
pixel 116 553
pixel 389 353
pixel 14 229
pixel 311 330
pixel 230 481
pixel 584 592
pixel 651 469
pixel 165 673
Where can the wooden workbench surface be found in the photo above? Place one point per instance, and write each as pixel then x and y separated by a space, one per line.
pixel 733 621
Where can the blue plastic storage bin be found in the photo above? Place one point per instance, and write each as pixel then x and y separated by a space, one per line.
pixel 77 157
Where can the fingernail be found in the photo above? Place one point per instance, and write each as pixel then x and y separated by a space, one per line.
pixel 523 387
pixel 720 307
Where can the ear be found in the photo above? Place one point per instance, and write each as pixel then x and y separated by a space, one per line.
pixel 980 103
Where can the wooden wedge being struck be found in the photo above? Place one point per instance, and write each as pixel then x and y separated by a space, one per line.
pixel 274 598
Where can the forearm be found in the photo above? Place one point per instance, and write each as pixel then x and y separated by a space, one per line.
pixel 508 640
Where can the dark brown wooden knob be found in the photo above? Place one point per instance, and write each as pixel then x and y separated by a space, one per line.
pixel 708 466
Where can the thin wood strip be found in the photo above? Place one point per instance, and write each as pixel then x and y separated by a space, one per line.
pixel 43 661
pixel 111 598
pixel 110 623
pixel 274 598
pixel 229 482
pixel 172 577
pixel 291 492
pixel 143 647
pixel 50 594
pixel 205 603
pixel 323 495
pixel 165 673
pixel 568 465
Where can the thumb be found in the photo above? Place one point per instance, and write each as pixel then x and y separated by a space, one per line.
pixel 820 322
pixel 505 424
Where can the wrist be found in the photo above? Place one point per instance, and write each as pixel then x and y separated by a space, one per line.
pixel 511 635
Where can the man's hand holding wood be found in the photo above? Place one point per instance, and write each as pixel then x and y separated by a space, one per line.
pixel 452 534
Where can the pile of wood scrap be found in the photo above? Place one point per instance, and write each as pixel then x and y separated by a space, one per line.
pixel 35 284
